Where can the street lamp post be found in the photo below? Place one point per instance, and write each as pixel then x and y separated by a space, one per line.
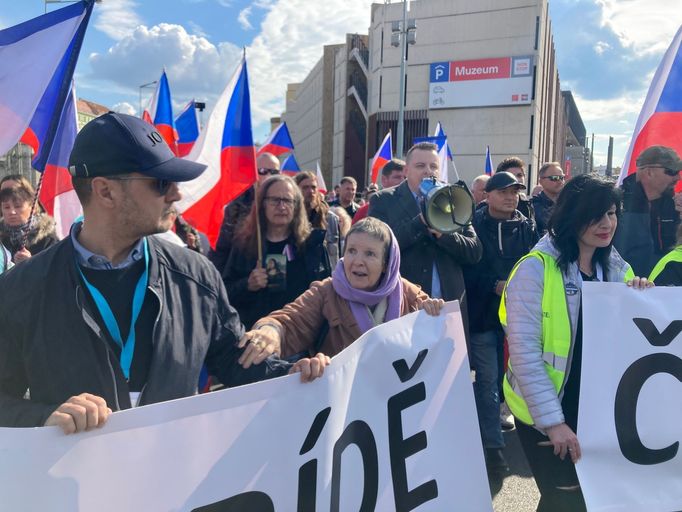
pixel 402 34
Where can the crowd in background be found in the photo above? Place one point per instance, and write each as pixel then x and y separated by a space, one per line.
pixel 296 277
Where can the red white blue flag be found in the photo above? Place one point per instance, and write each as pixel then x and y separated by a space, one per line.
pixel 56 192
pixel 445 155
pixel 660 121
pixel 160 113
pixel 37 60
pixel 290 165
pixel 321 185
pixel 278 142
pixel 187 126
pixel 489 170
pixel 382 157
pixel 226 147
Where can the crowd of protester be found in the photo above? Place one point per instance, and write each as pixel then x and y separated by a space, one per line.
pixel 142 303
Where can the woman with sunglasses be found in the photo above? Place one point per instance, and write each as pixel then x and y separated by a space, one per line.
pixel 551 178
pixel 542 318
pixel 286 237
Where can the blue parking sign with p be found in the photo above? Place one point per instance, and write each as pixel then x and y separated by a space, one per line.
pixel 440 72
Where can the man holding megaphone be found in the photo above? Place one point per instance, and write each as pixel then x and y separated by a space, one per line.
pixel 432 250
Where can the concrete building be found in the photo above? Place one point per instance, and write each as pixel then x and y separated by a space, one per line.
pixel 327 112
pixel 484 69
pixel 89 110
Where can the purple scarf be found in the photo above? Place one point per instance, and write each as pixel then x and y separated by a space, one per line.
pixel 390 286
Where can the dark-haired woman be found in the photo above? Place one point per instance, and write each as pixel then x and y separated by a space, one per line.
pixel 286 237
pixel 541 314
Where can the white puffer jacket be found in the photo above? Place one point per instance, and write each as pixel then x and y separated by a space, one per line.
pixel 524 329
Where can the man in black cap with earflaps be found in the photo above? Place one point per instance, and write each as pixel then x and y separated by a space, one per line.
pixel 111 318
pixel 648 225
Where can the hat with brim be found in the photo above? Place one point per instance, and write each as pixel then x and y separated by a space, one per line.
pixel 116 144
pixel 660 156
pixel 502 180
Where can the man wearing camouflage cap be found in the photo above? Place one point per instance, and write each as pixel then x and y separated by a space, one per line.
pixel 650 218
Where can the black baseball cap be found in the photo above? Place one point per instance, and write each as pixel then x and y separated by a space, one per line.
pixel 115 144
pixel 502 180
pixel 660 155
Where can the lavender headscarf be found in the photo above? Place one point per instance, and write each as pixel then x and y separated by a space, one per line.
pixel 390 286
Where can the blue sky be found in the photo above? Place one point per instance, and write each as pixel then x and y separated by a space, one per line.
pixel 607 51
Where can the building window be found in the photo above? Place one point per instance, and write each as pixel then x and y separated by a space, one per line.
pixel 535 71
pixel 532 121
pixel 381 83
pixel 537 31
pixel 381 58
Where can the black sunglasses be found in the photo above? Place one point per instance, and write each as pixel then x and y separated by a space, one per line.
pixel 161 186
pixel 265 172
pixel 666 170
pixel 560 177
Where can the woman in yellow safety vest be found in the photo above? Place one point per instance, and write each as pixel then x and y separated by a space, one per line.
pixel 668 270
pixel 541 315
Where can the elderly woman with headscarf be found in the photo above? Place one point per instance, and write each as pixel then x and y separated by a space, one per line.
pixel 365 290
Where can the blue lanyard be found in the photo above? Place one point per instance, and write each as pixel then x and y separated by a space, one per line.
pixel 127 348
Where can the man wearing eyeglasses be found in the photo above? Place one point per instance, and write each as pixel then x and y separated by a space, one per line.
pixel 238 210
pixel 648 225
pixel 110 317
pixel 552 179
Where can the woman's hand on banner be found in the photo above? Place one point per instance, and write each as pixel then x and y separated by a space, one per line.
pixel 640 283
pixel 311 368
pixel 80 413
pixel 431 306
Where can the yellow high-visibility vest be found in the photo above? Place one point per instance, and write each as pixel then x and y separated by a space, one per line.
pixel 674 255
pixel 556 333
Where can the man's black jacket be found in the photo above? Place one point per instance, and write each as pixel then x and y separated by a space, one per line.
pixel 51 344
pixel 419 249
pixel 504 243
pixel 647 229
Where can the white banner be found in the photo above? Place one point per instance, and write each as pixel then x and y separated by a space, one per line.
pixel 391 426
pixel 630 417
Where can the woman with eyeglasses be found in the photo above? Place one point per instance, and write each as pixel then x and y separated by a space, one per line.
pixel 286 238
pixel 551 177
pixel 541 312
pixel 24 236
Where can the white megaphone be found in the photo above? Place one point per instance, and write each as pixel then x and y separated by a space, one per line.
pixel 446 208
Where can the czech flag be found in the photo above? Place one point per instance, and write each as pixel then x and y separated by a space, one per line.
pixel 382 157
pixel 160 113
pixel 38 58
pixel 445 156
pixel 321 185
pixel 660 121
pixel 226 146
pixel 488 162
pixel 278 142
pixel 187 125
pixel 290 165
pixel 56 192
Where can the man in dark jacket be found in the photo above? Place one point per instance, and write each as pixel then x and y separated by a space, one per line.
pixel 517 167
pixel 506 235
pixel 70 335
pixel 429 258
pixel 552 179
pixel 647 228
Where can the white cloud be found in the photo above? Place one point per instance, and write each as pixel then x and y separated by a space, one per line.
pixel 117 18
pixel 290 43
pixel 645 26
pixel 124 108
pixel 611 109
pixel 196 29
pixel 601 47
pixel 195 67
pixel 243 18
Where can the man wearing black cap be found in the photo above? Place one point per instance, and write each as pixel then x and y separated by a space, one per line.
pixel 110 317
pixel 648 225
pixel 506 235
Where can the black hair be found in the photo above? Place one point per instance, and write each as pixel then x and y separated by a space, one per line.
pixel 394 164
pixel 511 163
pixel 584 200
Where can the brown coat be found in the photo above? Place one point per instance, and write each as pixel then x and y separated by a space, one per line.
pixel 299 322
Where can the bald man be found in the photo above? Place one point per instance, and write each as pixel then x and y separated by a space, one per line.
pixel 238 210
